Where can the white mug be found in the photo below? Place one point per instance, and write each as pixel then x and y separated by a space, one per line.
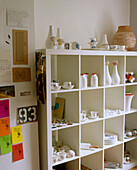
pixel 70 153
pixel 93 114
pixel 82 116
pixel 76 45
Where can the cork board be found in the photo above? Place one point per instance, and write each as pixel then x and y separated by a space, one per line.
pixel 21 74
pixel 20 47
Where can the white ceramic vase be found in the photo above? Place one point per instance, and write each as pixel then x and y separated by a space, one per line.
pixel 48 43
pixel 115 75
pixel 108 79
pixel 129 98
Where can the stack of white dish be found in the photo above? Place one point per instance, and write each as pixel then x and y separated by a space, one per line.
pixel 110 138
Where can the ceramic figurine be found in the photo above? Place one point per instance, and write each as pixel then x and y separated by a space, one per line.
pixel 108 79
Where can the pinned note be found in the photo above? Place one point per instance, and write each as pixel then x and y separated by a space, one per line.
pixel 4 108
pixel 5 144
pixel 17 151
pixel 4 126
pixel 16 134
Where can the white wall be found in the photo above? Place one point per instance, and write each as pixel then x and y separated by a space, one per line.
pixel 30 130
pixel 79 19
pixel 133 18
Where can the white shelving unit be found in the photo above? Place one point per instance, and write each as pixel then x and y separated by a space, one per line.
pixel 67 65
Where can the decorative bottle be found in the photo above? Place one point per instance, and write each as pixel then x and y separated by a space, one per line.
pixel 85 80
pixel 115 75
pixel 60 39
pixel 108 79
pixel 48 43
pixel 94 80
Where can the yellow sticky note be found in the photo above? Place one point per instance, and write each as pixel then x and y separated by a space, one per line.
pixel 16 134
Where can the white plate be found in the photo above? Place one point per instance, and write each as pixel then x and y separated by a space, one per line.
pixel 67 87
pixel 55 88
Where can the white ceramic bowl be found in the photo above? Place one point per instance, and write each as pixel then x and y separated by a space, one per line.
pixel 70 153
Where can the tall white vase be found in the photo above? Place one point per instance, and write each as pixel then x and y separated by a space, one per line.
pixel 115 74
pixel 108 79
pixel 129 98
pixel 48 43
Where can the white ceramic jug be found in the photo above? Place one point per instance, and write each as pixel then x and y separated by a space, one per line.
pixel 115 75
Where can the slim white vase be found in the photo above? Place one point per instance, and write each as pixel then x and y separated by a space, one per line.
pixel 108 79
pixel 115 75
pixel 129 98
pixel 48 43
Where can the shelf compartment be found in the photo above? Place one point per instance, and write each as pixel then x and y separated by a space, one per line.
pixel 65 68
pixel 69 161
pixel 131 146
pixel 93 64
pixel 115 126
pixel 131 121
pixel 114 154
pixel 120 66
pixel 92 101
pixel 132 164
pixel 66 136
pixel 131 65
pixel 92 133
pixel 84 153
pixel 94 161
pixel 71 112
pixel 114 98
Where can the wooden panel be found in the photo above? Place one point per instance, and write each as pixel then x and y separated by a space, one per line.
pixel 21 74
pixel 20 47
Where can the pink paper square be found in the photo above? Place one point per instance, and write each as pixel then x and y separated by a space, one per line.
pixel 4 108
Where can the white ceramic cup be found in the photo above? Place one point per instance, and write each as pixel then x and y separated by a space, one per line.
pixel 113 47
pixel 70 153
pixel 61 155
pixel 54 84
pixel 122 47
pixel 76 45
pixel 93 114
pixel 67 84
pixel 54 159
pixel 82 116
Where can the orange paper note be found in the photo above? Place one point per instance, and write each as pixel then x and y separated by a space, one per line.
pixel 4 126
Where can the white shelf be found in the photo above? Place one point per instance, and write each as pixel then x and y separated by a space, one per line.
pixel 131 111
pixel 64 91
pixel 132 164
pixel 65 160
pixel 111 86
pixel 92 88
pixel 110 146
pixel 67 65
pixel 64 127
pixel 89 152
pixel 91 120
pixel 129 139
pixel 110 117
pixel 131 84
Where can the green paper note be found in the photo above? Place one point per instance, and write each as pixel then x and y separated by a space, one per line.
pixel 5 144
